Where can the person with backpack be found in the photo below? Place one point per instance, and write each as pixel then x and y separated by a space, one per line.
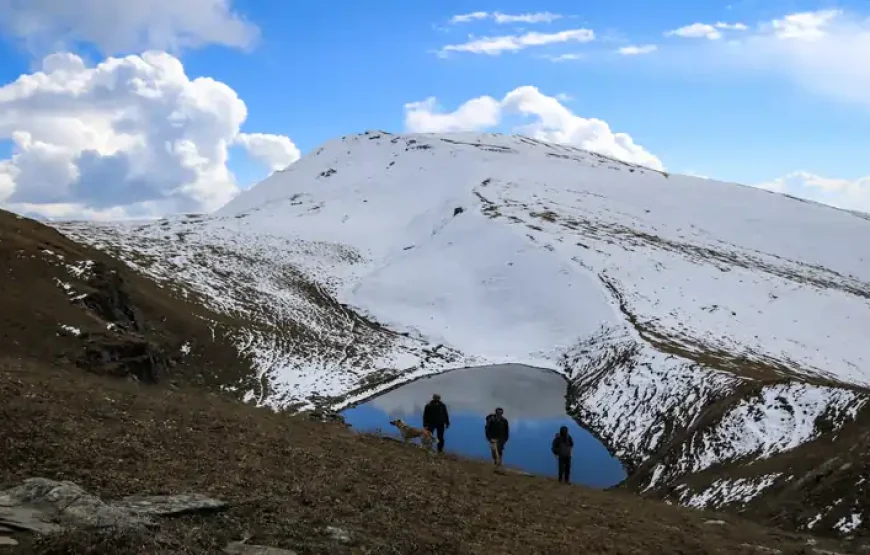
pixel 497 432
pixel 436 419
pixel 563 445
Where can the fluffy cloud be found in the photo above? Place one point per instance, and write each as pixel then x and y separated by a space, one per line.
pixel 637 50
pixel 478 113
pixel 115 26
pixel 551 121
pixel 131 135
pixel 274 151
pixel 494 46
pixel 842 193
pixel 502 18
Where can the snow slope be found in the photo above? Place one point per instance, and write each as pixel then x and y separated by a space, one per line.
pixel 393 256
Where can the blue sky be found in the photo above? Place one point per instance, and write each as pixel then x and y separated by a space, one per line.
pixel 752 105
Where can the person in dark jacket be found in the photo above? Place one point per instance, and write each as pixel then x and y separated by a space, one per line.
pixel 436 419
pixel 563 445
pixel 497 434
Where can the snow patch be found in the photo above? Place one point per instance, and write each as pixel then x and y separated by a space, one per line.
pixel 71 330
pixel 780 418
pixel 80 269
pixel 849 524
pixel 728 492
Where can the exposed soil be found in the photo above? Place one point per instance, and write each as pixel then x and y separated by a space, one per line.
pixel 288 478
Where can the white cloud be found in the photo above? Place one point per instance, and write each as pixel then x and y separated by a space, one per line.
pixel 274 151
pixel 804 25
pixel 116 26
pixel 696 31
pixel 539 17
pixel 822 51
pixel 503 18
pixel 131 135
pixel 571 57
pixel 638 50
pixel 842 193
pixel 732 26
pixel 494 46
pixel 469 17
pixel 478 113
pixel 552 122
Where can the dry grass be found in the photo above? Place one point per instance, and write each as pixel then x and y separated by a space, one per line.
pixel 287 478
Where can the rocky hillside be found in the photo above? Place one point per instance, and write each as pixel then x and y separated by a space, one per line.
pixel 712 334
pixel 72 306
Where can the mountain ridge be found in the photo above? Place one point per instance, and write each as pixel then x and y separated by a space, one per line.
pixel 677 307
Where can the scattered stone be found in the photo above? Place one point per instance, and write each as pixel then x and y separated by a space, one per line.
pixel 44 506
pixel 169 505
pixel 239 548
pixel 716 522
pixel 338 534
pixel 7 542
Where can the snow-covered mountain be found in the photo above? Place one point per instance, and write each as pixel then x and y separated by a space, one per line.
pixel 699 323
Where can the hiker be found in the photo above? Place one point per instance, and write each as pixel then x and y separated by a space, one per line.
pixel 563 445
pixel 436 419
pixel 497 434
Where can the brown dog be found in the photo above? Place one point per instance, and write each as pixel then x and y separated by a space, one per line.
pixel 410 432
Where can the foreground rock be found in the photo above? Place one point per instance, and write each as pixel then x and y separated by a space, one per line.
pixel 44 506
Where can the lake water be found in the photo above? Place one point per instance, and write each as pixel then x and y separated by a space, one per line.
pixel 533 401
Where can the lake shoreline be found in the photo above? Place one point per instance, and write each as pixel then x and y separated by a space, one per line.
pixel 520 408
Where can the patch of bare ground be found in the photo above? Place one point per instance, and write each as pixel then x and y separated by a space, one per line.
pixel 287 479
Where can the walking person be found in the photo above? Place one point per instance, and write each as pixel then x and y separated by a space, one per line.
pixel 436 419
pixel 497 434
pixel 563 445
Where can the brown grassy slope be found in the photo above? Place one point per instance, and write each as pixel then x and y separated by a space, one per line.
pixel 148 324
pixel 288 478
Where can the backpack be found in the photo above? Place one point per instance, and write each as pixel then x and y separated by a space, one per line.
pixel 562 447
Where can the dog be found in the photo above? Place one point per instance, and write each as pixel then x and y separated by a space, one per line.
pixel 410 432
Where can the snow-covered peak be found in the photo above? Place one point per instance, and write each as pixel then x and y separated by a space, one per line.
pixel 395 176
pixel 506 247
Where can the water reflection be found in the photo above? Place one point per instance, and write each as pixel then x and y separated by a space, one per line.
pixel 533 401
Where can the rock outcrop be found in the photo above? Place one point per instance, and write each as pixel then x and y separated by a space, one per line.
pixel 44 506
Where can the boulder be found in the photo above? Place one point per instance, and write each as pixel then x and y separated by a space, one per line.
pixel 45 506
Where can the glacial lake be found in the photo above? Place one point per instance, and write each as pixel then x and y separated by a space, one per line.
pixel 533 401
